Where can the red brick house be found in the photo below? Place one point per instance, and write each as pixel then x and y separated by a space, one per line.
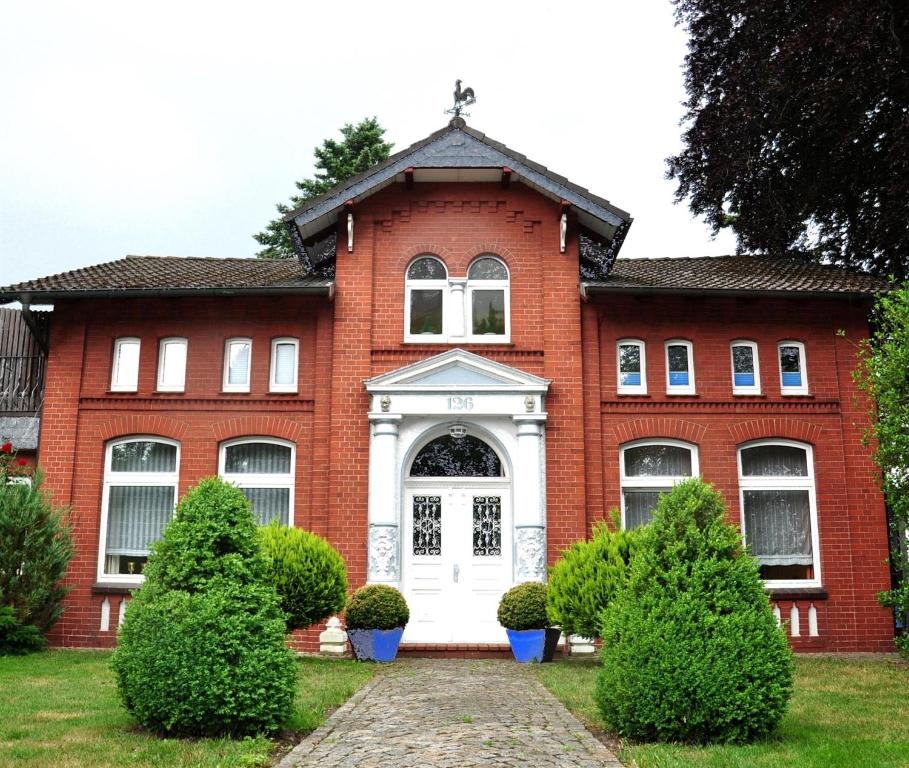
pixel 454 382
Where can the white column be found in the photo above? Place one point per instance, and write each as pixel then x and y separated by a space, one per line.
pixel 383 560
pixel 455 308
pixel 529 498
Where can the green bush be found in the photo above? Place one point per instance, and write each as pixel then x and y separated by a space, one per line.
pixel 308 573
pixel 377 606
pixel 691 649
pixel 587 577
pixel 524 607
pixel 201 650
pixel 35 549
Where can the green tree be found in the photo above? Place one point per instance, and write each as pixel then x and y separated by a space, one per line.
pixel 360 148
pixel 796 133
pixel 882 375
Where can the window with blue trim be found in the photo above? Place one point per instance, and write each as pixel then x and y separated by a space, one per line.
pixel 679 368
pixel 793 377
pixel 746 378
pixel 632 367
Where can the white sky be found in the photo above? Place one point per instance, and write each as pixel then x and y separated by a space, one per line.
pixel 172 128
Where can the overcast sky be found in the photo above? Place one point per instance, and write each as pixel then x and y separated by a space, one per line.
pixel 172 128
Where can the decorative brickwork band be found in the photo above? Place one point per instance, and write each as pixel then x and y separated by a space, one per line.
pixel 383 553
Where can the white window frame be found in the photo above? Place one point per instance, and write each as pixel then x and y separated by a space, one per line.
pixel 803 368
pixel 273 385
pixel 134 479
pixel 115 384
pixel 652 483
pixel 162 356
pixel 747 390
pixel 439 284
pixel 225 384
pixel 487 285
pixel 251 480
pixel 680 389
pixel 634 389
pixel 772 483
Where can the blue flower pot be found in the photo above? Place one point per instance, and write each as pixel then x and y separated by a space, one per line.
pixel 375 644
pixel 527 644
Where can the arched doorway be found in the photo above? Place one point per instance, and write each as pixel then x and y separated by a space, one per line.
pixel 457 539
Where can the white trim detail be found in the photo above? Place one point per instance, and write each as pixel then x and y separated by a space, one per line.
pixel 631 389
pixel 172 368
pixel 226 386
pixel 754 389
pixel 802 388
pixel 273 384
pixel 124 376
pixel 264 479
pixel 680 389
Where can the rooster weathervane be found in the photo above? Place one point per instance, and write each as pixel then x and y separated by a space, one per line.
pixel 461 99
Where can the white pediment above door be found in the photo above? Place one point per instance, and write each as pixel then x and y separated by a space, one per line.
pixel 457 370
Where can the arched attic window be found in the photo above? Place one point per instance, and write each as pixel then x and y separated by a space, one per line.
pixel 488 299
pixel 426 287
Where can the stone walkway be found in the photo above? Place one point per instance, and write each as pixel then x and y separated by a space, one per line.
pixel 447 713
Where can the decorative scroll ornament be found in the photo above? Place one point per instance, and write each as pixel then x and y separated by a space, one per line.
pixel 427 525
pixel 530 554
pixel 383 553
pixel 487 526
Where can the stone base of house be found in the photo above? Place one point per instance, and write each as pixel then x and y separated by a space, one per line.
pixel 455 650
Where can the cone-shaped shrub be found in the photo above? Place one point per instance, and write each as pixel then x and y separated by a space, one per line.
pixel 691 649
pixel 587 577
pixel 308 573
pixel 201 650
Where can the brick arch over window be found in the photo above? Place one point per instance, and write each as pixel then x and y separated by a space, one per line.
pixel 423 249
pixel 141 424
pixel 491 249
pixel 678 429
pixel 760 429
pixel 265 426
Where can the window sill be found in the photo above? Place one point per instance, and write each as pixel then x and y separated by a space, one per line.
pixel 681 394
pixel 169 392
pixel 284 392
pixel 760 395
pixel 235 392
pixel 114 588
pixel 123 391
pixel 631 394
pixel 805 395
pixel 797 593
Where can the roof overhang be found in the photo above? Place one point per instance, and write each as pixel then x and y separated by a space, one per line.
pixel 594 288
pixel 48 297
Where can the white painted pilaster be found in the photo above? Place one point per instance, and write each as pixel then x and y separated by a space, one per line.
pixel 383 558
pixel 530 498
pixel 456 314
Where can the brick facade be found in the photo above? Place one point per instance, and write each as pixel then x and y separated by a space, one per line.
pixel 553 334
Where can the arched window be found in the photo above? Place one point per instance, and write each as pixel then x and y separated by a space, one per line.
pixel 426 288
pixel 449 456
pixel 649 468
pixel 779 512
pixel 140 492
pixel 263 468
pixel 488 299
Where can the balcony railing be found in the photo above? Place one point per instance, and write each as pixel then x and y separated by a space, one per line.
pixel 22 384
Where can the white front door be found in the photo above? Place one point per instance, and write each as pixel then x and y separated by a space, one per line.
pixel 457 559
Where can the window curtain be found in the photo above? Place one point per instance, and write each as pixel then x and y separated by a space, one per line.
pixel 257 459
pixel 239 364
pixel 774 461
pixel 285 363
pixel 639 506
pixel 657 461
pixel 778 526
pixel 143 456
pixel 136 516
pixel 269 504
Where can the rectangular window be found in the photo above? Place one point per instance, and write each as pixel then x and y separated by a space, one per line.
pixel 679 368
pixel 172 365
pixel 746 378
pixel 125 373
pixel 793 377
pixel 488 312
pixel 425 312
pixel 284 365
pixel 632 379
pixel 237 354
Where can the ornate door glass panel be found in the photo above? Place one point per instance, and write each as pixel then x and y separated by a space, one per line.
pixel 427 525
pixel 448 456
pixel 487 526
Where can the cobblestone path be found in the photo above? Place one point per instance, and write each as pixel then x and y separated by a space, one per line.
pixel 447 713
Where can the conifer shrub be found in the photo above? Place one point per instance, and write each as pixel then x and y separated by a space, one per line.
pixel 201 651
pixel 376 606
pixel 35 549
pixel 586 578
pixel 691 648
pixel 524 607
pixel 307 572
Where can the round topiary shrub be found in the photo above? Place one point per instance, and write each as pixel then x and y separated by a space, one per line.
pixel 524 607
pixel 201 651
pixel 587 577
pixel 691 648
pixel 307 572
pixel 377 606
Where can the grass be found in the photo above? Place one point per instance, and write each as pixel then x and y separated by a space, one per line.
pixel 843 713
pixel 60 709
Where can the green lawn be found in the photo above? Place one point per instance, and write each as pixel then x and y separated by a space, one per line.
pixel 60 709
pixel 843 713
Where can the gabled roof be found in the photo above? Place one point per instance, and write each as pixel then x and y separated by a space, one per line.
pixel 458 153
pixel 733 275
pixel 171 275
